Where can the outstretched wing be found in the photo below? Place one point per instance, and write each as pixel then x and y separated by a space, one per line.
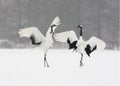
pixel 66 36
pixel 96 41
pixel 53 26
pixel 33 33
pixel 93 44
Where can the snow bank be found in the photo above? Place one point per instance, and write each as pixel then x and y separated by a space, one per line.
pixel 24 67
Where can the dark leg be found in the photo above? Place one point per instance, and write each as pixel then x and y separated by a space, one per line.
pixel 45 61
pixel 74 49
pixel 81 60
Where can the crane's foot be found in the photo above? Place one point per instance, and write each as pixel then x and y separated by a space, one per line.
pixel 48 66
pixel 45 62
pixel 81 64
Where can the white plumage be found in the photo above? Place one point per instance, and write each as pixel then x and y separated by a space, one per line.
pixel 37 38
pixel 62 37
pixel 28 32
pixel 81 46
pixel 96 41
pixel 55 22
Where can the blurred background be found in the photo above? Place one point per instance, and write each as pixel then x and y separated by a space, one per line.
pixel 100 18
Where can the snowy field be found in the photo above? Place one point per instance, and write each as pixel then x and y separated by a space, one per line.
pixel 24 67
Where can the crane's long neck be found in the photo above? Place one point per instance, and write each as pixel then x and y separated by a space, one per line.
pixel 80 31
pixel 52 28
pixel 81 34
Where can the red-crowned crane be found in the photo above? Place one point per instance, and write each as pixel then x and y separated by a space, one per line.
pixel 81 46
pixel 37 38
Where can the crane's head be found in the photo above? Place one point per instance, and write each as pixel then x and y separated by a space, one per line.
pixel 80 26
pixel 54 24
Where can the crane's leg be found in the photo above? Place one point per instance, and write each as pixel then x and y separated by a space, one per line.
pixel 81 60
pixel 74 49
pixel 45 61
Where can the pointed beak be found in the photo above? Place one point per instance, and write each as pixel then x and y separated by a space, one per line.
pixel 79 26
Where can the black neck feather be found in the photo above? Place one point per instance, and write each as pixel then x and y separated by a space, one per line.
pixel 80 31
pixel 79 26
pixel 52 28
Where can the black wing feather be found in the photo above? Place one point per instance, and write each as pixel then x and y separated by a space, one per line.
pixel 89 50
pixel 72 45
pixel 32 38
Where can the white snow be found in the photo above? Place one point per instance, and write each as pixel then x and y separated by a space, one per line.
pixel 24 67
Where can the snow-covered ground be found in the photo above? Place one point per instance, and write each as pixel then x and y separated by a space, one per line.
pixel 24 67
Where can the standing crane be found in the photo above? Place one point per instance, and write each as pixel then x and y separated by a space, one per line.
pixel 79 45
pixel 37 38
